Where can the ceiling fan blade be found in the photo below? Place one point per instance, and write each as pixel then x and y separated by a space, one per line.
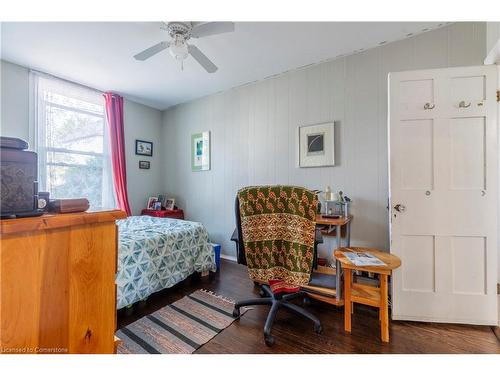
pixel 212 28
pixel 147 53
pixel 204 61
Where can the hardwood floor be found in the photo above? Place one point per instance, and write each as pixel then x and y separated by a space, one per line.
pixel 296 335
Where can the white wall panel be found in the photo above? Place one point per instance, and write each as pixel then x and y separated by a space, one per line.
pixel 254 132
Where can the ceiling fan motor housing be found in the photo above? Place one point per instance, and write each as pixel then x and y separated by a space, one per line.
pixel 179 28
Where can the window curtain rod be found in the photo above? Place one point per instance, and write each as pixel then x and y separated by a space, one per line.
pixel 47 75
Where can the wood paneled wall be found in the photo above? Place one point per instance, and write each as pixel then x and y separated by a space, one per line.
pixel 254 128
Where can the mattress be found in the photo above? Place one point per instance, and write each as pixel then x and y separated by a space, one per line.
pixel 157 253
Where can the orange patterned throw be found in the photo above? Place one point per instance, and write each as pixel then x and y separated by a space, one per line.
pixel 277 224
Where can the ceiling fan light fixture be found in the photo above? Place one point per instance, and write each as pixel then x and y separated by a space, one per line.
pixel 179 48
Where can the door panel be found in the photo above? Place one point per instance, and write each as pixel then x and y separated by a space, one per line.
pixel 467 141
pixel 444 171
pixel 417 138
pixel 469 277
pixel 417 258
pixel 415 94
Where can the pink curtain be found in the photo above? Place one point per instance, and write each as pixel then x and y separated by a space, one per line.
pixel 114 113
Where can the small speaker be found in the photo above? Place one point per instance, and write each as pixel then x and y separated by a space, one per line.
pixel 43 200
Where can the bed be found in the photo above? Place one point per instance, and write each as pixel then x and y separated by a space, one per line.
pixel 157 253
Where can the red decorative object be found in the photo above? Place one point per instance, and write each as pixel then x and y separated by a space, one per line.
pixel 114 113
pixel 171 214
pixel 279 286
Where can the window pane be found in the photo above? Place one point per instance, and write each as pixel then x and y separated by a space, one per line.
pixel 73 145
pixel 54 157
pixel 74 130
pixel 67 101
pixel 77 181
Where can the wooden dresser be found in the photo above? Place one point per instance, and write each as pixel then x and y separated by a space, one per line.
pixel 57 283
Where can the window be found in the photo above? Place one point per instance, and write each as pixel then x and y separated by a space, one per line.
pixel 72 141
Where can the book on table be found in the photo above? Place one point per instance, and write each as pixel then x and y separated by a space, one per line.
pixel 361 259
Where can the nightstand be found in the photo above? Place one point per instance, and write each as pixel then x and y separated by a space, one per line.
pixel 171 214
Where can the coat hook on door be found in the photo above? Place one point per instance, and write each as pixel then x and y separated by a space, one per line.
pixel 429 106
pixel 463 105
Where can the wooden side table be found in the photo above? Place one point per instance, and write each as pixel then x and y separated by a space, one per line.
pixel 171 214
pixel 367 294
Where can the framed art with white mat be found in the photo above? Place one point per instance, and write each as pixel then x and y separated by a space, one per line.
pixel 317 145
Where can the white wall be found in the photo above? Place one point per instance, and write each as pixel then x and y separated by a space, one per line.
pixel 15 100
pixel 254 129
pixel 140 122
pixel 492 34
pixel 144 123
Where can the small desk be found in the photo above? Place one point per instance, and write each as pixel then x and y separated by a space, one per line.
pixel 338 223
pixel 328 295
pixel 367 294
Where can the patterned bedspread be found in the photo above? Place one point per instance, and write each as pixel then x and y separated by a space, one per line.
pixel 157 253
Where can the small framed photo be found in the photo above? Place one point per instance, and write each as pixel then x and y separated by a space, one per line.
pixel 151 203
pixel 170 204
pixel 144 148
pixel 157 206
pixel 143 164
pixel 163 199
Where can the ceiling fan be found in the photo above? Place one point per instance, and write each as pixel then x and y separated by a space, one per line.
pixel 181 32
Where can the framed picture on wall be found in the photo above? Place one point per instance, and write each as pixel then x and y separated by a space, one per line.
pixel 143 164
pixel 144 148
pixel 317 145
pixel 200 151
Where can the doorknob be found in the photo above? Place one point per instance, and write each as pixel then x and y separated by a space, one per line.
pixel 400 208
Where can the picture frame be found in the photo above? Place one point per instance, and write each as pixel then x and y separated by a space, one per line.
pixel 151 203
pixel 163 199
pixel 316 145
pixel 200 151
pixel 144 164
pixel 157 206
pixel 144 148
pixel 170 204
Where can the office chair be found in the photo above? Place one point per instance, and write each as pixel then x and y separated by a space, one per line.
pixel 275 238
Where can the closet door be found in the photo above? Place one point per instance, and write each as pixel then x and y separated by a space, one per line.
pixel 443 194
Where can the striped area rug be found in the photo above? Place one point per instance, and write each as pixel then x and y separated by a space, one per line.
pixel 179 328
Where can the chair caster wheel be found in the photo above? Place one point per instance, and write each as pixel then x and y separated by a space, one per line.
pixel 236 312
pixel 318 328
pixel 269 340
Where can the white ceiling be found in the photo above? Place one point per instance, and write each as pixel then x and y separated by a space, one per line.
pixel 99 55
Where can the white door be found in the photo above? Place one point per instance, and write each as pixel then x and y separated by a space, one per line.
pixel 443 194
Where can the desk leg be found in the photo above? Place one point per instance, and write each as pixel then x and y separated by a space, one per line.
pixel 338 267
pixel 384 309
pixel 348 234
pixel 338 281
pixel 347 300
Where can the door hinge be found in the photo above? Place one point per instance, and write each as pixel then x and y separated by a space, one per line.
pixel 498 288
pixel 498 95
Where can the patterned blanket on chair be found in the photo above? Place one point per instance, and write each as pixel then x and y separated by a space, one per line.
pixel 278 227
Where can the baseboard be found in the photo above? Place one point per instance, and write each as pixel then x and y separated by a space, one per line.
pixel 228 257
pixel 444 320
